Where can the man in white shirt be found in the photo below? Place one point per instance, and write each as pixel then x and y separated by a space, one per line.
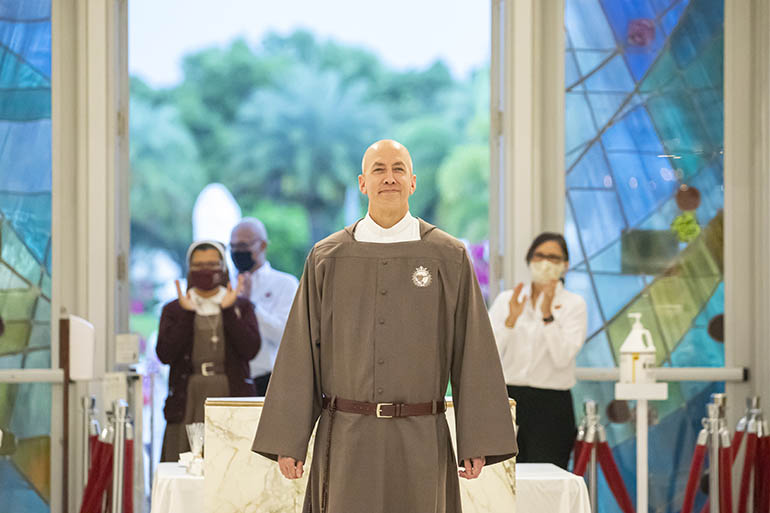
pixel 271 291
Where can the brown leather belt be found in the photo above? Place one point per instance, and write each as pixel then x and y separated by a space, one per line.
pixel 386 410
pixel 209 369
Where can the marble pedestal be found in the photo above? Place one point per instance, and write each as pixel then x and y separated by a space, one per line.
pixel 238 480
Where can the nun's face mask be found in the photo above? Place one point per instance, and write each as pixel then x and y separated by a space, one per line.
pixel 206 270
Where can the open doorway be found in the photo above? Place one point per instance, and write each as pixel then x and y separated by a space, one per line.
pixel 248 110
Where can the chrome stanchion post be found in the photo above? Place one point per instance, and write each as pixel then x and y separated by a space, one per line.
pixel 715 411
pixel 592 435
pixel 120 410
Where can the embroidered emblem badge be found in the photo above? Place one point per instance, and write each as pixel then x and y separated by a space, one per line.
pixel 421 277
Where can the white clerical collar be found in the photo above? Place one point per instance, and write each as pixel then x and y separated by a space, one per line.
pixel 407 229
pixel 208 305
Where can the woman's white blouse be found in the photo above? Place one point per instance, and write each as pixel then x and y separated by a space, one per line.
pixel 534 353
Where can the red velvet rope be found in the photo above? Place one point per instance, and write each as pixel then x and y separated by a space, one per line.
pixel 748 464
pixel 692 479
pixel 614 480
pixel 582 462
pixel 725 480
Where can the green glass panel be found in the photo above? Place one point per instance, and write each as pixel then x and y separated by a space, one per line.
pixel 15 337
pixel 33 459
pixel 17 305
pixel 7 400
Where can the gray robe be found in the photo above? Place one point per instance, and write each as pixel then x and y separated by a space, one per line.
pixel 362 328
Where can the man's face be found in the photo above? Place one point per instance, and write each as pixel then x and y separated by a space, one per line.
pixel 246 239
pixel 387 177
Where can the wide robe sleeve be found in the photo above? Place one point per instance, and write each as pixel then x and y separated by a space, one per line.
pixel 483 417
pixel 293 401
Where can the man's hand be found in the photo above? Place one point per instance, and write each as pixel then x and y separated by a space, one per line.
pixel 185 301
pixel 290 468
pixel 231 295
pixel 246 288
pixel 473 468
pixel 515 307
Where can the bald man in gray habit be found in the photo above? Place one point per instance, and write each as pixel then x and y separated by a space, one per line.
pixel 388 311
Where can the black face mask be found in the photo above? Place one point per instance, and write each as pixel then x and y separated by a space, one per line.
pixel 243 260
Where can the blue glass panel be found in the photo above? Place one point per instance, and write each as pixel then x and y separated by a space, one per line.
pixel 662 217
pixel 698 349
pixel 31 41
pixel 589 60
pixel 606 106
pixel 596 352
pixel 697 27
pixel 710 184
pixel 11 362
pixel 613 76
pixel 672 17
pixel 40 336
pixel 622 17
pixel 580 283
pixel 615 291
pixel 16 493
pixel 571 73
pixel 578 121
pixel 25 10
pixel 599 218
pixel 591 170
pixel 634 131
pixel 640 184
pixel 571 236
pixel 15 73
pixel 25 156
pixel 608 260
pixel 33 418
pixel 587 26
pixel 17 255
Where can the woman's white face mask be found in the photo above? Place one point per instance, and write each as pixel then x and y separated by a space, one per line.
pixel 545 271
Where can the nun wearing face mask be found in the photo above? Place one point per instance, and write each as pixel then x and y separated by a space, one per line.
pixel 539 329
pixel 207 336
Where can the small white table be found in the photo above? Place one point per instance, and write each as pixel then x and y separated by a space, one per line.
pixel 176 491
pixel 540 487
pixel 544 487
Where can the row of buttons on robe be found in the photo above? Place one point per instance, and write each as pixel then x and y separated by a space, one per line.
pixel 381 361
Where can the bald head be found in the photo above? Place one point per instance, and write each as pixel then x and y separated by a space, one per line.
pixel 248 242
pixel 385 148
pixel 251 226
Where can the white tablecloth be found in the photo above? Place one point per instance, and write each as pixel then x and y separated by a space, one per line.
pixel 542 487
pixel 175 491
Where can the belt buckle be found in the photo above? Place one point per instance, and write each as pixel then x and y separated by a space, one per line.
pixel 379 411
pixel 207 369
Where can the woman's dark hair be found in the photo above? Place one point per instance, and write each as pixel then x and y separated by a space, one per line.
pixel 545 237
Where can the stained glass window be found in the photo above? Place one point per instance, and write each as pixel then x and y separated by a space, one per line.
pixel 644 185
pixel 25 250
